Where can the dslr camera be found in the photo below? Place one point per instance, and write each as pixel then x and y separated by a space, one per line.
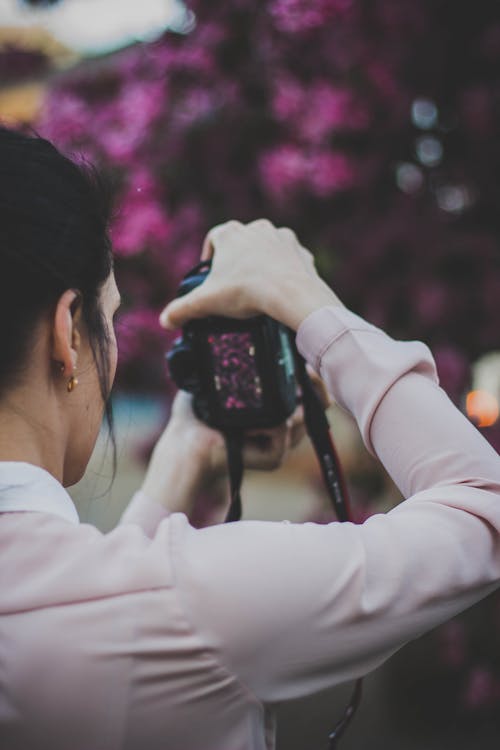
pixel 242 373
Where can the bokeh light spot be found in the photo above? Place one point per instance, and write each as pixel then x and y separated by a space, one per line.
pixel 424 114
pixel 429 150
pixel 409 177
pixel 453 198
pixel 482 408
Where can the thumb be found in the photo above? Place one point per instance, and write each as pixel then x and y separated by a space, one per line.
pixel 195 304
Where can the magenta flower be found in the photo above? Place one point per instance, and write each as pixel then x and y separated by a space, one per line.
pixel 283 170
pixel 288 98
pixel 197 104
pixel 134 329
pixel 318 111
pixel 328 109
pixel 183 249
pixel 71 123
pixel 119 126
pixel 296 16
pixel 140 222
pixel 142 344
pixel 329 173
pixel 287 169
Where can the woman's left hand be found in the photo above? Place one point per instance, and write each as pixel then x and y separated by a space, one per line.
pixel 263 449
pixel 190 458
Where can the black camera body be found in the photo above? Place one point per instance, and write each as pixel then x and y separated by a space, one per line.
pixel 241 372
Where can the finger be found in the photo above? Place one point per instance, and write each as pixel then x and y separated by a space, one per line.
pixel 182 404
pixel 216 232
pixel 207 250
pixel 319 387
pixel 296 417
pixel 261 224
pixel 197 304
pixel 265 449
pixel 296 427
pixel 297 433
pixel 289 235
pixel 305 254
pixel 308 260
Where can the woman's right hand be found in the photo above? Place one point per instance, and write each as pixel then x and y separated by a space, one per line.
pixel 256 268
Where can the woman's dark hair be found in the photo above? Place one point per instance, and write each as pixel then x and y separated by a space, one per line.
pixel 54 216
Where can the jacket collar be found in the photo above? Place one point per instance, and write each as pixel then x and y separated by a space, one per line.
pixel 25 487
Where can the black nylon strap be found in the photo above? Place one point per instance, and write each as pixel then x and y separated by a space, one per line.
pixel 355 699
pixel 318 430
pixel 234 447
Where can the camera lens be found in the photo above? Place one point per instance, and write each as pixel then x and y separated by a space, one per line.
pixel 182 366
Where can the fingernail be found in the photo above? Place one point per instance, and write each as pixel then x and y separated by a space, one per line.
pixel 164 320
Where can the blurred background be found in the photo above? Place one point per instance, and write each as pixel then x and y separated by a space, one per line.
pixel 372 127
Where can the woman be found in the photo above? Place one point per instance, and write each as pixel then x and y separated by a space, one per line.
pixel 158 635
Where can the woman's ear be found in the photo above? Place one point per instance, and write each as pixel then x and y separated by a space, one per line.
pixel 66 331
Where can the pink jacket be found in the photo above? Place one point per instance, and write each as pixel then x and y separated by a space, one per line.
pixel 160 636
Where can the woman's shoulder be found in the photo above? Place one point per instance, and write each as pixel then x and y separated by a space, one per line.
pixel 46 561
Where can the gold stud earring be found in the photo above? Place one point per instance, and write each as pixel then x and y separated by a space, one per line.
pixel 72 383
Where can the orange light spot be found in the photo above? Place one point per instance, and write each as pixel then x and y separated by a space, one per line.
pixel 482 407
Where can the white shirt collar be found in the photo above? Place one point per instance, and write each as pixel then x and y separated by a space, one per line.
pixel 25 487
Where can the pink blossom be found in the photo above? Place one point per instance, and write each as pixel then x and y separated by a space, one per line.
pixel 318 111
pixel 197 58
pixel 142 344
pixel 141 180
pixel 140 222
pixel 328 108
pixel 182 252
pixel 288 168
pixel 132 327
pixel 292 16
pixel 283 169
pixel 121 126
pixel 288 98
pixel 142 100
pixel 197 104
pixel 64 118
pixel 330 173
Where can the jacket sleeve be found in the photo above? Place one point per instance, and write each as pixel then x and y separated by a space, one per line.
pixel 294 608
pixel 144 512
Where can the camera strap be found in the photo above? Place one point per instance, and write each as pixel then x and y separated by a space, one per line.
pixel 318 429
pixel 234 448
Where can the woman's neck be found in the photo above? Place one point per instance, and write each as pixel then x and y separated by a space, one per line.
pixel 28 433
